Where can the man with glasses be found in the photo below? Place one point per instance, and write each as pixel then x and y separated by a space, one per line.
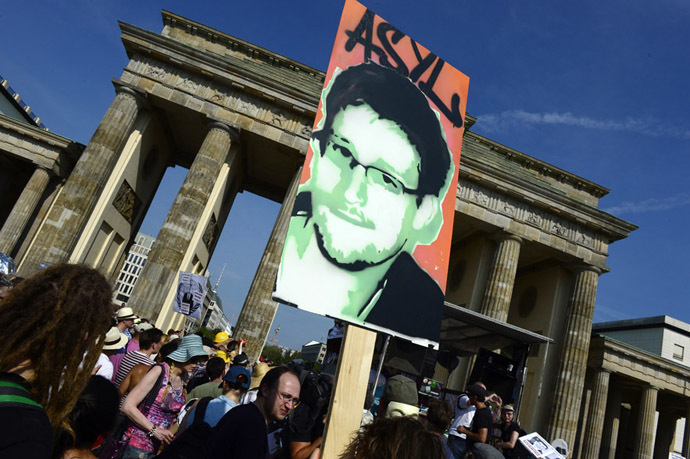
pixel 380 170
pixel 242 432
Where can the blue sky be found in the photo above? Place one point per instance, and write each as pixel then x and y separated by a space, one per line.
pixel 600 89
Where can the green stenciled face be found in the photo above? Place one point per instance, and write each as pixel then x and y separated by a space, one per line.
pixel 364 189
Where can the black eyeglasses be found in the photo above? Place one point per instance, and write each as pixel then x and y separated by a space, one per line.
pixel 343 158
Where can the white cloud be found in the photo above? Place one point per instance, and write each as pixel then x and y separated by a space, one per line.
pixel 650 205
pixel 606 314
pixel 229 274
pixel 495 122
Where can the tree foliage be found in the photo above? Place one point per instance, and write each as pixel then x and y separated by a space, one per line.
pixel 209 333
pixel 275 355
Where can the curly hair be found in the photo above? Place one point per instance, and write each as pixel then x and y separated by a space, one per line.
pixel 403 437
pixel 55 322
pixel 439 416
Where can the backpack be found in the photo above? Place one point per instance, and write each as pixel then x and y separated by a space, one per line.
pixel 192 442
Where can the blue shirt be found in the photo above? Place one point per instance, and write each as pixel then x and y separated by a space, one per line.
pixel 216 409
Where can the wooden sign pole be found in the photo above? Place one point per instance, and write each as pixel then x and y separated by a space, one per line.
pixel 349 391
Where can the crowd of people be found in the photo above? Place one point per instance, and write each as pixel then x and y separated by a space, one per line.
pixel 479 426
pixel 80 380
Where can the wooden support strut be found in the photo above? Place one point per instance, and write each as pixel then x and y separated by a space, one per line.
pixel 349 391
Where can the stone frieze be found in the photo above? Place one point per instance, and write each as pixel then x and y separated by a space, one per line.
pixel 525 213
pixel 232 98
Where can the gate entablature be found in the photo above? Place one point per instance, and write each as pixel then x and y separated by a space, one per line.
pixel 272 99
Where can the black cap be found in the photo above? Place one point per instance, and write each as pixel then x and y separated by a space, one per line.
pixel 478 391
pixel 241 359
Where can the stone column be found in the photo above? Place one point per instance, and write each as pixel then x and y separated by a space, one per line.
pixel 573 363
pixel 644 436
pixel 597 411
pixel 65 221
pixel 611 425
pixel 499 287
pixel 22 210
pixel 173 240
pixel 686 433
pixel 254 322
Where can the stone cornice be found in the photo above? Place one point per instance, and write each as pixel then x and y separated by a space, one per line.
pixel 36 133
pixel 255 51
pixel 43 148
pixel 547 199
pixel 250 49
pixel 542 167
pixel 207 64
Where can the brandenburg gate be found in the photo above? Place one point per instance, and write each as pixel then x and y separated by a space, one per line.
pixel 529 241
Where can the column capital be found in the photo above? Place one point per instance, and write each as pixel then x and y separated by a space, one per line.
pixel 604 370
pixel 649 386
pixel 505 236
pixel 231 129
pixel 580 267
pixel 138 94
pixel 42 167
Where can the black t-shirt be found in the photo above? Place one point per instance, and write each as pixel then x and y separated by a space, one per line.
pixel 241 433
pixel 483 419
pixel 25 430
pixel 506 432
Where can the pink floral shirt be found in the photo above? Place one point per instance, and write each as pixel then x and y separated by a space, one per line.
pixel 162 414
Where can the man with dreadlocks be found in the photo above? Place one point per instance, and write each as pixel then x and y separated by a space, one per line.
pixel 5 286
pixel 52 324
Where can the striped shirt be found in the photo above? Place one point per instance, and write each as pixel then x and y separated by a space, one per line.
pixel 128 361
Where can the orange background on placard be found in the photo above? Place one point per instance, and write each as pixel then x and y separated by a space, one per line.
pixel 432 258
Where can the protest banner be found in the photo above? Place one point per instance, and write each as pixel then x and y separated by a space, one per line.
pixel 369 237
pixel 191 291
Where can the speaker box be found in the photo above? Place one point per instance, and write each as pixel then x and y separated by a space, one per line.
pixel 497 372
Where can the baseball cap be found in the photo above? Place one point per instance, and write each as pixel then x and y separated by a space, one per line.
pixel 238 374
pixel 240 359
pixel 477 390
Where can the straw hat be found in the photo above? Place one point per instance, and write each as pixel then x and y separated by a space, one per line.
pixel 260 370
pixel 125 313
pixel 114 340
pixel 190 346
